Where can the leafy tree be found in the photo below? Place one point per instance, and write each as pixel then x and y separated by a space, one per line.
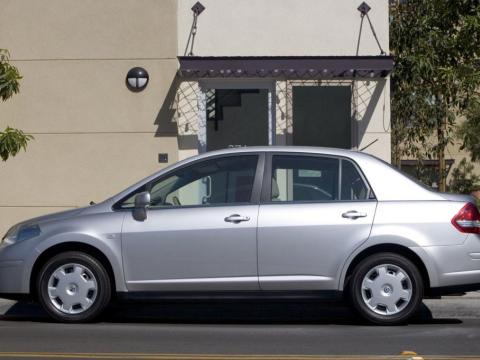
pixel 464 180
pixel 11 140
pixel 469 131
pixel 436 46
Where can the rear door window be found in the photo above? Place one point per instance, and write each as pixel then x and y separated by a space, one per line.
pixel 303 178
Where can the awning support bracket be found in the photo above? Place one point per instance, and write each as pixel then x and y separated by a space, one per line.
pixel 197 9
pixel 364 8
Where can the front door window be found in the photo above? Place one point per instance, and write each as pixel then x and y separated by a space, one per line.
pixel 226 180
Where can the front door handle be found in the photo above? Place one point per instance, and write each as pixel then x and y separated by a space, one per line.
pixel 235 218
pixel 353 214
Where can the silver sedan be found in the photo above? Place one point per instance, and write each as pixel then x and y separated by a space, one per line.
pixel 264 223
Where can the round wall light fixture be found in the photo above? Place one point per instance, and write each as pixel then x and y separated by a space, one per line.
pixel 137 79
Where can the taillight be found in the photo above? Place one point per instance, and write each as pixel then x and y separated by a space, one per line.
pixel 468 219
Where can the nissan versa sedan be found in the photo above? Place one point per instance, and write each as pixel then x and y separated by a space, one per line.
pixel 260 222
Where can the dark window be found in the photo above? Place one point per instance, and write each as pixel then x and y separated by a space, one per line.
pixel 227 180
pixel 322 116
pixel 236 117
pixel 304 178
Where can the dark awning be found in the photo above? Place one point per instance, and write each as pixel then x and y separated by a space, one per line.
pixel 289 67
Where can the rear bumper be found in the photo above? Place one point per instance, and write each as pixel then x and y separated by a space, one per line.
pixel 457 267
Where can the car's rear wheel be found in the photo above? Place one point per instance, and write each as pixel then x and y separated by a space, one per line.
pixel 74 287
pixel 386 289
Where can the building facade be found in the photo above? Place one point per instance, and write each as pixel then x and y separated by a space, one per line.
pixel 227 73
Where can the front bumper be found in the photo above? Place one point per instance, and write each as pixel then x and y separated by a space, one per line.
pixel 15 268
pixel 11 277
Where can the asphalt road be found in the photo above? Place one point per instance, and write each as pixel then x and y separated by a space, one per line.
pixel 221 331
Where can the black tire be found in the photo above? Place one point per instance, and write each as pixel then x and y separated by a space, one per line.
pixel 103 290
pixel 355 294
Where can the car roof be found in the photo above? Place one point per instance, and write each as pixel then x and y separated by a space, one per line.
pixel 280 148
pixel 283 149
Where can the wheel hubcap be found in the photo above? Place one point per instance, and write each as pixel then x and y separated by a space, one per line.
pixel 72 288
pixel 386 289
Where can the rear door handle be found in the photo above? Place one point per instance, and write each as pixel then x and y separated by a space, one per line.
pixel 236 218
pixel 353 214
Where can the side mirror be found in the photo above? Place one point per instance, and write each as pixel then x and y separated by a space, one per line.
pixel 142 200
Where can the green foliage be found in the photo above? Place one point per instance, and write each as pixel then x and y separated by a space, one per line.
pixel 425 174
pixel 436 45
pixel 9 76
pixel 11 140
pixel 469 131
pixel 464 180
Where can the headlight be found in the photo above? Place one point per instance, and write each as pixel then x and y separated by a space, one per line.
pixel 21 233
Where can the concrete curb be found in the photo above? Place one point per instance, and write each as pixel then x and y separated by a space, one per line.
pixel 467 306
pixel 5 305
pixel 473 294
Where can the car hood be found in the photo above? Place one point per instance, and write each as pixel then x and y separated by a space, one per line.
pixel 53 217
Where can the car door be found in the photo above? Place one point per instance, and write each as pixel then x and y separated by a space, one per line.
pixel 315 211
pixel 200 230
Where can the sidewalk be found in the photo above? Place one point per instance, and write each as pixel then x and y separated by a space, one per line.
pixel 467 306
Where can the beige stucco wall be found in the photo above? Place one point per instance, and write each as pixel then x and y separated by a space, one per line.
pixel 372 117
pixel 93 137
pixel 89 29
pixel 282 27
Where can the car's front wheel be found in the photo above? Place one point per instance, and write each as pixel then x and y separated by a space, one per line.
pixel 73 287
pixel 386 289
